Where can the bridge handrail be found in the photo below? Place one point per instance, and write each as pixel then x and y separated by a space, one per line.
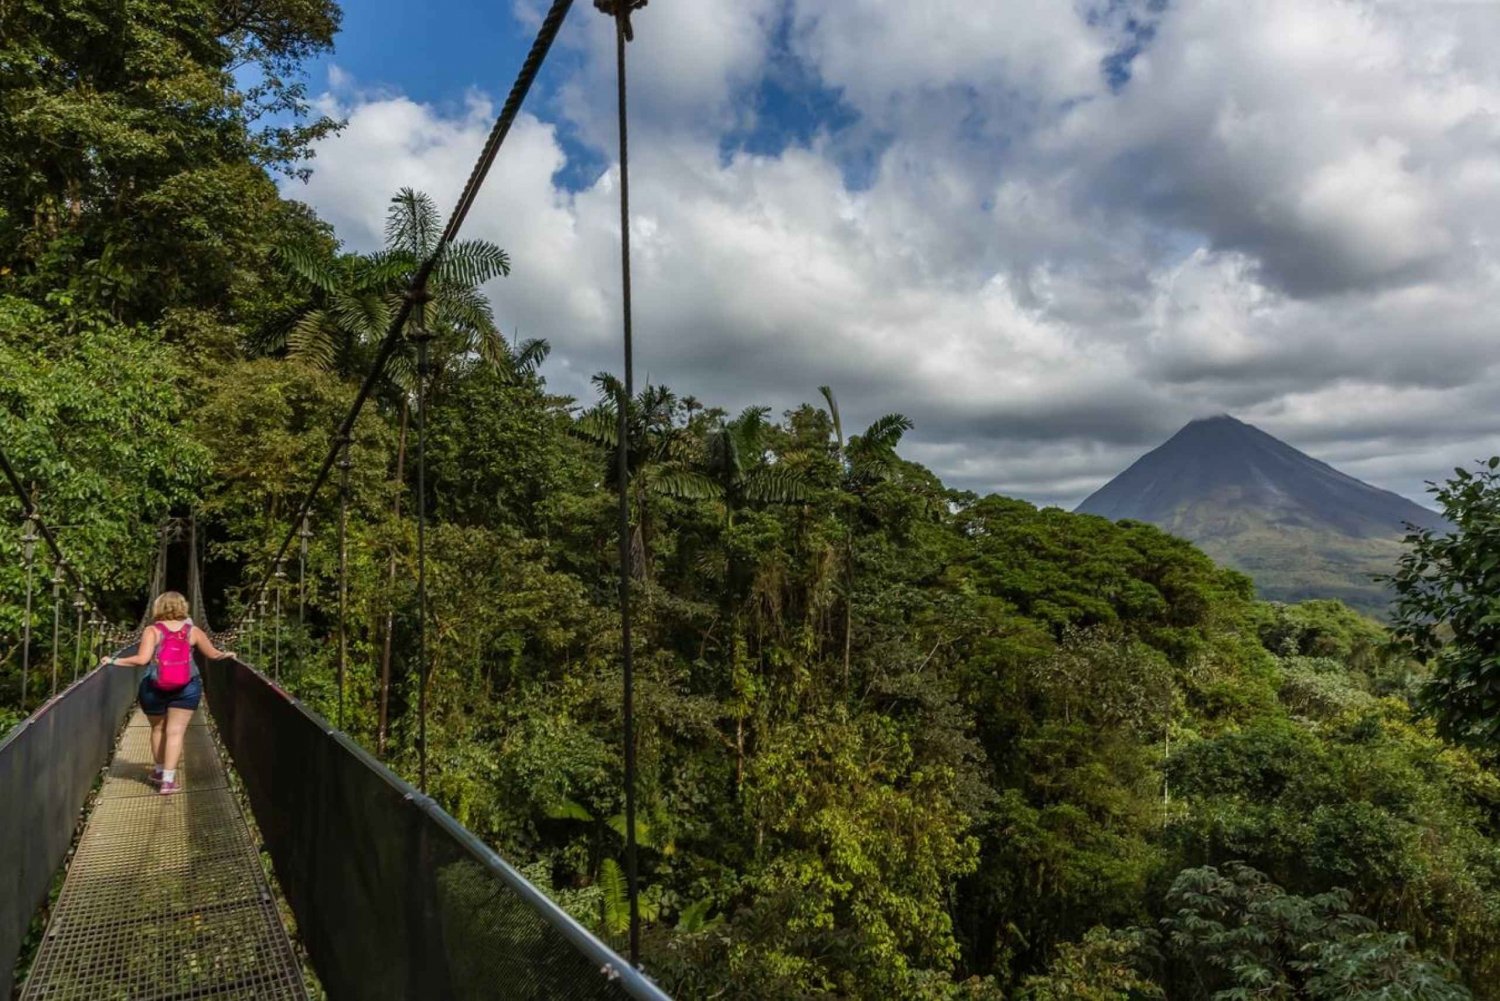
pixel 306 781
pixel 48 763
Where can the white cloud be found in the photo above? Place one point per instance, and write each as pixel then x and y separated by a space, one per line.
pixel 1287 212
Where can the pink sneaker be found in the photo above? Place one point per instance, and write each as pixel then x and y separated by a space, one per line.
pixel 155 778
pixel 168 788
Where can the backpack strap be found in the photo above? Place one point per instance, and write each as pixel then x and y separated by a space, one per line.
pixel 162 632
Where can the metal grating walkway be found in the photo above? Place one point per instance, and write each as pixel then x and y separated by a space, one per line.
pixel 165 898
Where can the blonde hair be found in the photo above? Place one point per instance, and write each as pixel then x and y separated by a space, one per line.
pixel 169 605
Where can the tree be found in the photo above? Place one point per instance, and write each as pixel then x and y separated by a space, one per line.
pixel 736 464
pixel 357 296
pixel 868 459
pixel 660 453
pixel 1240 936
pixel 133 172
pixel 1448 604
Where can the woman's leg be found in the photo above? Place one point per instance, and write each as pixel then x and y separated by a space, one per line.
pixel 177 724
pixel 158 729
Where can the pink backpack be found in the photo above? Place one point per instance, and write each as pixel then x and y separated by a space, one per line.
pixel 174 657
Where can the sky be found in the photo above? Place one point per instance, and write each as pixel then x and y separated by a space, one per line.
pixel 1050 232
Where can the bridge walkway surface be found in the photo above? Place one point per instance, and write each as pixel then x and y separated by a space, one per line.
pixel 165 897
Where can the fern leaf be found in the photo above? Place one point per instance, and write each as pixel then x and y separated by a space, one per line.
pixel 569 809
pixel 615 892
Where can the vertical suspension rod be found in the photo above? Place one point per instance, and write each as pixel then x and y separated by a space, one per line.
pixel 279 587
pixel 78 606
pixel 621 10
pixel 28 554
pixel 57 603
pixel 422 336
pixel 345 462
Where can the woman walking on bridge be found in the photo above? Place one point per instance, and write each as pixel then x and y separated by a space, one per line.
pixel 171 689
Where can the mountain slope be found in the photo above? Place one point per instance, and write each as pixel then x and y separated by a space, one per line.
pixel 1299 527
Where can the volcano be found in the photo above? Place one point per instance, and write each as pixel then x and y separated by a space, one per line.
pixel 1300 528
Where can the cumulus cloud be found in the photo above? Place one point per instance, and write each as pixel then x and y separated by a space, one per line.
pixel 1083 224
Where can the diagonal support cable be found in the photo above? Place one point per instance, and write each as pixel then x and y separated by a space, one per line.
pixel 30 510
pixel 546 34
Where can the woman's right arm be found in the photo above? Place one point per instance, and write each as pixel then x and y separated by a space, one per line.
pixel 144 650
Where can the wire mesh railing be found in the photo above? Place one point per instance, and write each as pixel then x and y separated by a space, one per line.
pixel 394 898
pixel 48 765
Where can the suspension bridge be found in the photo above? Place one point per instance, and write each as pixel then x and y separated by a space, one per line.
pixel 113 891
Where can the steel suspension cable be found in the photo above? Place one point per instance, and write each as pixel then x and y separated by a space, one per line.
pixel 621 10
pixel 532 65
pixel 196 549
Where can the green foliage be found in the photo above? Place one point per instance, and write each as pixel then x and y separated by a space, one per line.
pixel 1240 936
pixel 132 171
pixel 1104 966
pixel 356 298
pixel 91 417
pixel 1448 603
pixel 893 740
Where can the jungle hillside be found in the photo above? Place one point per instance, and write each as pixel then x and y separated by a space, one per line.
pixel 896 740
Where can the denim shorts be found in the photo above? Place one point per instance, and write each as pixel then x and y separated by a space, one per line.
pixel 155 701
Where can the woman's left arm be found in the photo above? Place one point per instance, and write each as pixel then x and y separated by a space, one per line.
pixel 142 656
pixel 206 646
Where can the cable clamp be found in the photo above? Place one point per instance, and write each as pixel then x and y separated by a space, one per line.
pixel 611 8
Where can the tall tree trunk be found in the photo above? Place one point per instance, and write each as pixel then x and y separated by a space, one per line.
pixel 390 613
pixel 848 600
pixel 739 756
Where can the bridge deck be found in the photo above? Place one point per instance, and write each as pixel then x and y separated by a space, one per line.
pixel 165 898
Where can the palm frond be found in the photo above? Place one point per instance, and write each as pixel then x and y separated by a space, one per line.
pixel 462 318
pixel 886 432
pixel 776 485
pixel 609 387
pixel 472 262
pixel 386 270
pixel 411 222
pixel 531 355
pixel 600 425
pixel 364 315
pixel 401 370
pixel 314 338
pixel 313 266
pixel 724 453
pixel 833 412
pixel 685 485
pixel 494 352
pixel 752 418
pixel 747 430
pixel 272 338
